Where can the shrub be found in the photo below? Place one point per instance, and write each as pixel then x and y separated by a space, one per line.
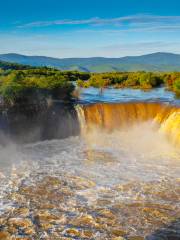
pixel 32 84
pixel 176 86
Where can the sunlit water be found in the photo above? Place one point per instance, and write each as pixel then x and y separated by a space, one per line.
pixel 93 95
pixel 132 174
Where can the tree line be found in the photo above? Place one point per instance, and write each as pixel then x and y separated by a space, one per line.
pixel 141 80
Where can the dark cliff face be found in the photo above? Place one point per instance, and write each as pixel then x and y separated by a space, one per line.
pixel 31 123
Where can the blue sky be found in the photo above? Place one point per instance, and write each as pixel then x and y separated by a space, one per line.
pixel 88 28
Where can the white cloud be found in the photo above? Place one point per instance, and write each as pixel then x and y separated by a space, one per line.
pixel 130 21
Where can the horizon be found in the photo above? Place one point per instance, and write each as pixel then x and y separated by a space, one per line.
pixel 45 56
pixel 62 29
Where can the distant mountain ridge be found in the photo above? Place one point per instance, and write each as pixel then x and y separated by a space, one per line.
pixel 150 62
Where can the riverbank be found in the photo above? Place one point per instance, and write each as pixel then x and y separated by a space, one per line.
pixel 135 80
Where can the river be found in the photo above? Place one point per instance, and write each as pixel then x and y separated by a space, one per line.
pixel 119 178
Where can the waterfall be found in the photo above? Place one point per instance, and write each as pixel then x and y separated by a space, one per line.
pixel 119 116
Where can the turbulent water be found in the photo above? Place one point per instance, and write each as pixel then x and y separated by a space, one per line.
pixel 119 179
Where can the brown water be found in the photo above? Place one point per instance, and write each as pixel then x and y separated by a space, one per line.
pixel 116 116
pixel 120 179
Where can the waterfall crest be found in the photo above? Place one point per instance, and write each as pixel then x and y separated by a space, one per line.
pixel 119 116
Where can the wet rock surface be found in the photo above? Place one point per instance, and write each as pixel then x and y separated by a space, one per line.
pixel 27 123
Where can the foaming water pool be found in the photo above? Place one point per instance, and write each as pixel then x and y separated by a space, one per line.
pixel 102 185
pixel 108 159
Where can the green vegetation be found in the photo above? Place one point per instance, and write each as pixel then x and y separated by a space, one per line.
pixel 123 79
pixel 36 84
pixel 24 84
pixel 172 81
pixel 141 80
pixel 15 66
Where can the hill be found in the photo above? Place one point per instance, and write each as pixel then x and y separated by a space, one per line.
pixel 15 66
pixel 150 62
